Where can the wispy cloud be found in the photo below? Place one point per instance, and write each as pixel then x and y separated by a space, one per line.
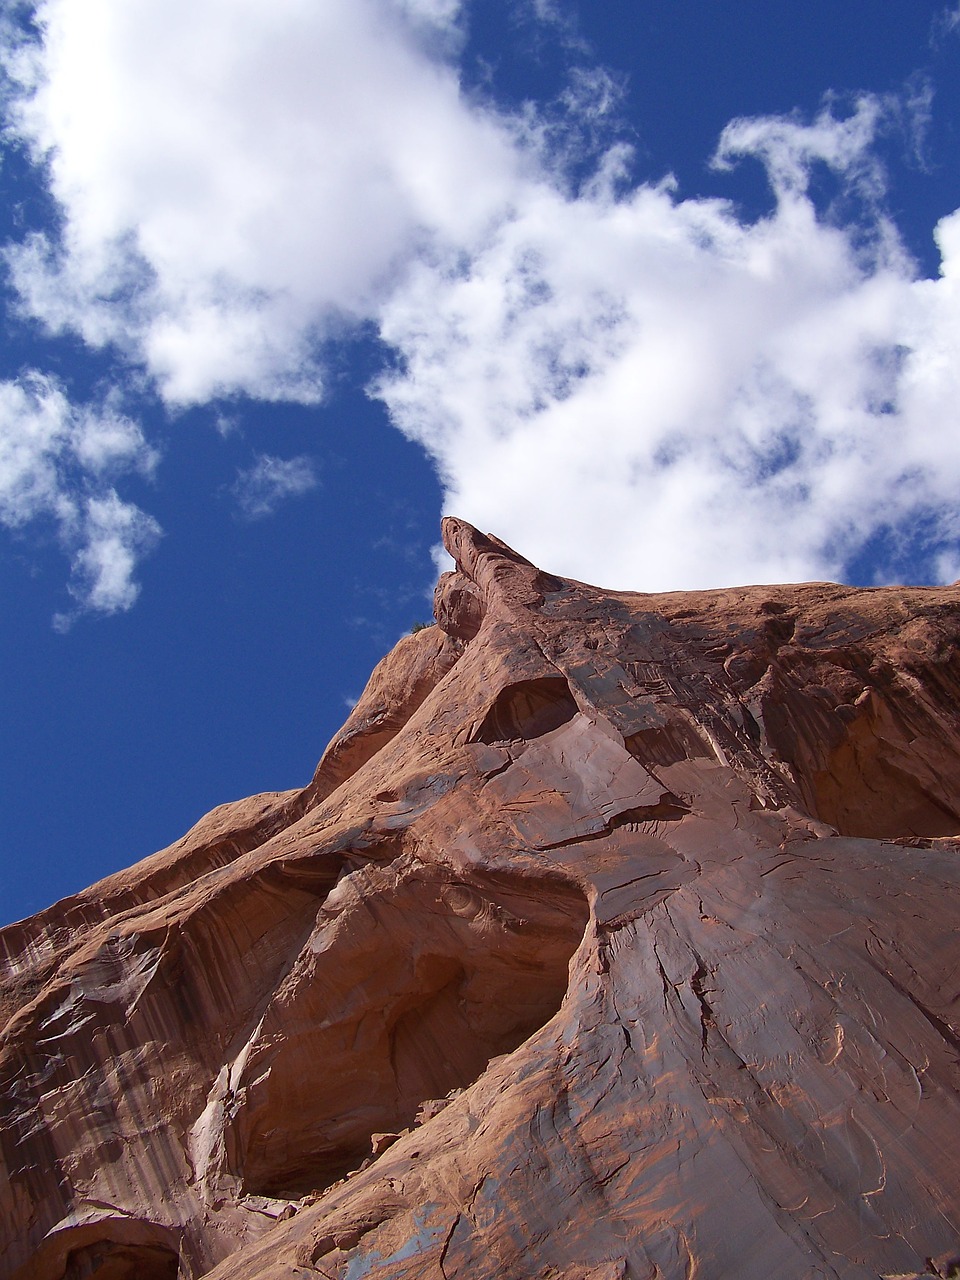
pixel 944 27
pixel 56 464
pixel 109 538
pixel 261 488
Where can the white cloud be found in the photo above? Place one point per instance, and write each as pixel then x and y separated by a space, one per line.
pixel 33 432
pixel 438 23
pixel 55 461
pixel 631 387
pixel 660 394
pixel 788 147
pixel 948 566
pixel 240 179
pixel 110 537
pixel 260 489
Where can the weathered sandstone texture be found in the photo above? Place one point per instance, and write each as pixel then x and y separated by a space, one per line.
pixel 616 938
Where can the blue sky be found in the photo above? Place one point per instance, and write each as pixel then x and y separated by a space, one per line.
pixel 665 294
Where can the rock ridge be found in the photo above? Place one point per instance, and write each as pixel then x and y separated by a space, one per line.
pixel 614 938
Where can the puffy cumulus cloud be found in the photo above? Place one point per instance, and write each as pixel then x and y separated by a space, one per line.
pixel 658 393
pixel 261 488
pixel 56 463
pixel 630 386
pixel 238 180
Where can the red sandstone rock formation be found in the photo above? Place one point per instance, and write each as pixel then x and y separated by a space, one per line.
pixel 615 939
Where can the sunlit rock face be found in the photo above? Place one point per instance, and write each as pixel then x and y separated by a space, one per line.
pixel 616 938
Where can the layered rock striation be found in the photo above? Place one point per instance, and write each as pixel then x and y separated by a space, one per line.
pixel 615 938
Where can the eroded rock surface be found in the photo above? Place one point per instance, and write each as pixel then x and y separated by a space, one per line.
pixel 616 938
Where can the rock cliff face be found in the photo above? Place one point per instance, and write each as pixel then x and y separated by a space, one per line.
pixel 616 938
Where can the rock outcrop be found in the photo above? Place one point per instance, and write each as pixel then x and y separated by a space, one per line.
pixel 616 938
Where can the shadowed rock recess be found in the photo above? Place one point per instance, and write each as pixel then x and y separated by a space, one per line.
pixel 615 938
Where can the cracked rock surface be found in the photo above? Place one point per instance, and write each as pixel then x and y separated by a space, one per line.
pixel 615 938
